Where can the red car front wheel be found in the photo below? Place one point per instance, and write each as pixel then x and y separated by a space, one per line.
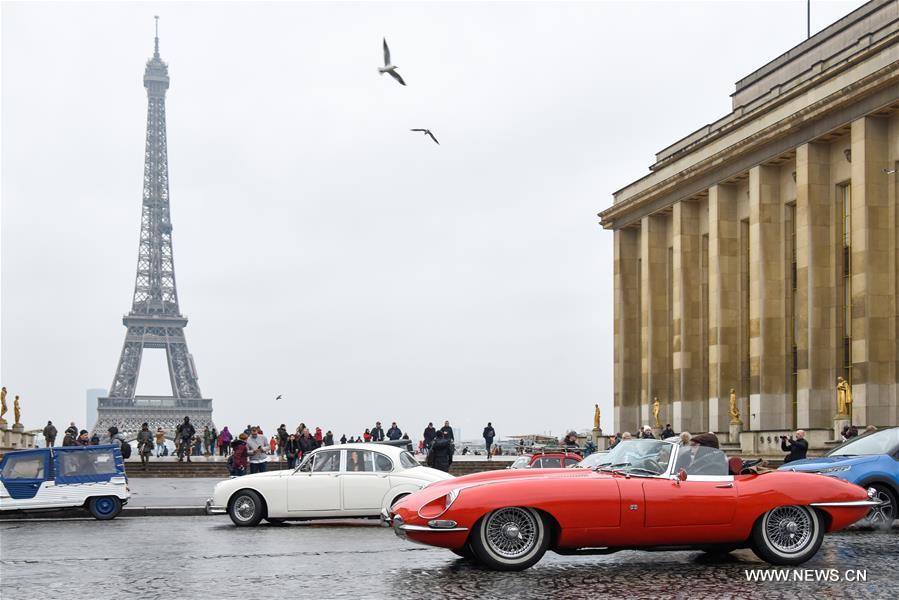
pixel 510 539
pixel 788 535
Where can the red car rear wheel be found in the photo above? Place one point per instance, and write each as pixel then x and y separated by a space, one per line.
pixel 510 539
pixel 788 535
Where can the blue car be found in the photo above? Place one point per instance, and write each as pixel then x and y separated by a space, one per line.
pixel 871 461
pixel 90 477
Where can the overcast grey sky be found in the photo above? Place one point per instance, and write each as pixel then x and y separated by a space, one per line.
pixel 323 251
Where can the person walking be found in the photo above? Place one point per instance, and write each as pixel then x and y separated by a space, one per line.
pixel 377 432
pixel 50 435
pixel 257 450
pixel 394 432
pixel 207 441
pixel 184 433
pixel 145 444
pixel 489 434
pixel 448 431
pixel 797 448
pixel 160 442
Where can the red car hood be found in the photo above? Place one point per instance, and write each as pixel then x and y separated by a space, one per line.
pixel 488 477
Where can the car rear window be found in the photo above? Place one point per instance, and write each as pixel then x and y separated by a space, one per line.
pixel 86 462
pixel 24 467
pixel 408 461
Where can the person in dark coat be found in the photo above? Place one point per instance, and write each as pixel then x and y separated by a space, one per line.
pixel 307 443
pixel 448 431
pixel 239 458
pixel 489 434
pixel 292 450
pixel 797 447
pixel 377 433
pixel 50 434
pixel 145 444
pixel 667 432
pixel 441 454
pixel 394 432
pixel 184 432
pixel 429 435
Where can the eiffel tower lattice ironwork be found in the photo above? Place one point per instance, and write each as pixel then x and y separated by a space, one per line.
pixel 155 320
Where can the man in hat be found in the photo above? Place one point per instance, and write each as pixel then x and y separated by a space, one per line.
pixel 688 459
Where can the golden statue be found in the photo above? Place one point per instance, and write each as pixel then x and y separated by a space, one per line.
pixel 596 418
pixel 17 411
pixel 656 409
pixel 844 397
pixel 3 408
pixel 734 411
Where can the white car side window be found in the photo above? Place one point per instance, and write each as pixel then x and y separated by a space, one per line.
pixel 383 464
pixel 326 462
pixel 359 461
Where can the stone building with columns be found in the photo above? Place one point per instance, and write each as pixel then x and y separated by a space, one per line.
pixel 761 252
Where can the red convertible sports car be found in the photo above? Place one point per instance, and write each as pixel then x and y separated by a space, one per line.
pixel 648 494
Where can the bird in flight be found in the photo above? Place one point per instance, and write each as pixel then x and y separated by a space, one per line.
pixel 388 66
pixel 427 132
pixel 279 397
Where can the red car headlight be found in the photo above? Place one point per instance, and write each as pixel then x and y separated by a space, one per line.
pixel 438 505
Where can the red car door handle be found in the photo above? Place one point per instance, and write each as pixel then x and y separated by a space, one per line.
pixel 725 485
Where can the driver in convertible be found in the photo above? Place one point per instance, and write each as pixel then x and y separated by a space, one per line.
pixel 686 460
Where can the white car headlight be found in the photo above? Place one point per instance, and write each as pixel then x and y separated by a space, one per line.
pixel 835 469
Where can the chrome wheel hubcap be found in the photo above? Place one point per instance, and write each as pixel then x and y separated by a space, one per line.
pixel 789 529
pixel 244 508
pixel 511 532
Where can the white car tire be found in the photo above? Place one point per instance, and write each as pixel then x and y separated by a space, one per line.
pixel 246 508
pixel 788 535
pixel 510 539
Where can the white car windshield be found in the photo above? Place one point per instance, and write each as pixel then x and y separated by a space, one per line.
pixel 639 457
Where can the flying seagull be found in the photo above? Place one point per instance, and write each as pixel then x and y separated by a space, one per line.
pixel 279 397
pixel 427 132
pixel 388 67
pixel 889 171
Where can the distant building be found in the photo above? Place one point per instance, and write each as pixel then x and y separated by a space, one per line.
pixel 761 252
pixel 91 406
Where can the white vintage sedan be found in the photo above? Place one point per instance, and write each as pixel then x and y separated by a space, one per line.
pixel 350 480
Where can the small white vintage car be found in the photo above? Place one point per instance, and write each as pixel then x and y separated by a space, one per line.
pixel 89 477
pixel 350 480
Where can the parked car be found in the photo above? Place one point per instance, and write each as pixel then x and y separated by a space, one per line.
pixel 869 460
pixel 653 493
pixel 350 480
pixel 90 477
pixel 546 460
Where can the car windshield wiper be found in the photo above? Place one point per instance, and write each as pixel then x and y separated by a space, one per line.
pixel 611 467
pixel 642 470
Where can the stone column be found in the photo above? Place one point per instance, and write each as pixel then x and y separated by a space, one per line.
pixel 769 403
pixel 873 275
pixel 627 329
pixel 654 315
pixel 724 304
pixel 687 319
pixel 817 343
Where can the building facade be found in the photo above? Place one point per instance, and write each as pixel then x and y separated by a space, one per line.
pixel 761 253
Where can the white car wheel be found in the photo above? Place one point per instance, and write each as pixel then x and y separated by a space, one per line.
pixel 246 508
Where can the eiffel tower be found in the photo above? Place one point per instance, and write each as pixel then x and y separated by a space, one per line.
pixel 155 321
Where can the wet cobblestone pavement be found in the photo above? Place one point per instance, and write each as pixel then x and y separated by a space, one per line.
pixel 206 557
